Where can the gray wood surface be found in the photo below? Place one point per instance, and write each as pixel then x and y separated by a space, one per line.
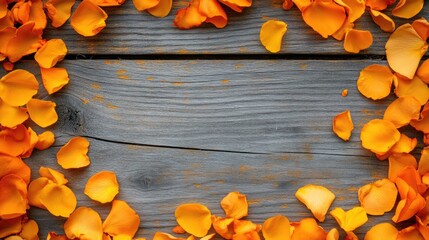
pixel 131 32
pixel 191 131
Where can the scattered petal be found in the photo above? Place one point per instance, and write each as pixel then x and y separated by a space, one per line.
pixel 276 228
pixel 30 230
pixel 375 81
pixel 122 220
pixel 59 11
pixel 333 234
pixel 422 28
pixel 357 40
pixel 74 153
pixel 50 53
pixel 235 205
pixel 59 200
pixel 84 224
pixel 46 139
pixel 342 125
pixel 190 16
pixel 378 197
pixel 223 226
pixel 398 162
pixel 401 111
pixel 351 219
pixel 195 218
pixel 423 71
pixel 271 35
pixel 379 136
pixel 383 21
pixel 162 9
pixel 26 41
pixel 316 198
pixel 10 226
pixel 102 187
pixel 414 87
pixel 18 87
pixel 53 175
pixel 13 197
pixel 308 228
pixel 387 230
pixel 355 8
pixel 54 79
pixel 11 116
pixel 88 19
pixel 34 190
pixel 407 8
pixel 42 112
pixel 14 166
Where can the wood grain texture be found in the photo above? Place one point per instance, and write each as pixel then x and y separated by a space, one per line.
pixel 131 32
pixel 192 131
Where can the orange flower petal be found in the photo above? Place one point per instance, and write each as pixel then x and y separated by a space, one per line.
pixel 37 14
pixel 375 81
pixel 411 202
pixel 237 5
pixel 423 71
pixel 189 17
pixel 287 4
pixel 355 8
pixel 404 145
pixel 411 176
pixel 16 141
pixel 34 190
pixel 378 197
pixel 165 236
pixel 27 40
pixel 404 49
pixel 308 228
pixel 142 5
pixel 102 187
pixel 108 3
pixel 341 33
pixel 242 227
pixel 59 200
pixel 208 237
pixel 252 235
pixel 50 53
pixel 88 19
pixel 162 9
pixel 33 141
pixel 387 230
pixel 223 226
pixel 53 175
pixel 342 125
pixel 398 162
pixel 14 166
pixel 379 136
pixel 357 40
pixel 42 112
pixel 122 220
pixel 332 14
pixel 195 218
pixel 401 111
pixel 10 226
pixel 46 139
pixel 18 87
pixel 271 35
pixel 11 116
pixel 383 21
pixel 414 87
pixel 54 79
pixel 302 4
pixel 276 228
pixel 54 236
pixel 333 234
pixel 84 223
pixel 214 13
pixel 422 28
pixel 408 233
pixel 235 205
pixel 316 198
pixel 13 197
pixel 59 11
pixel 378 5
pixel 74 153
pixel 6 34
pixel 351 219
pixel 424 161
pixel 407 8
pixel 30 230
pixel 178 229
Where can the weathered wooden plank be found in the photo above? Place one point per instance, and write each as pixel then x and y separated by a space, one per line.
pixel 131 32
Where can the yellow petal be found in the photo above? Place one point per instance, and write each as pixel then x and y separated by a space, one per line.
pixel 102 187
pixel 387 230
pixel 122 220
pixel 13 197
pixel 375 81
pixel 271 35
pixel 195 218
pixel 88 19
pixel 235 205
pixel 383 21
pixel 378 197
pixel 342 125
pixel 53 175
pixel 42 112
pixel 74 153
pixel 11 116
pixel 46 139
pixel 50 53
pixel 351 219
pixel 30 230
pixel 414 87
pixel 332 14
pixel 18 87
pixel 59 200
pixel 404 49
pixel 162 9
pixel 316 198
pixel 379 136
pixel 59 11
pixel 85 224
pixel 407 8
pixel 401 111
pixel 276 228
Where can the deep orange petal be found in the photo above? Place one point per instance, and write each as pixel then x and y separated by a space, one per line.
pixel 122 220
pixel 74 153
pixel 59 11
pixel 30 230
pixel 84 223
pixel 308 228
pixel 398 162
pixel 342 125
pixel 235 205
pixel 189 17
pixel 50 53
pixel 13 197
pixel 18 87
pixel 422 28
pixel 383 21
pixel 88 19
pixel 276 228
pixel 27 40
pixel 10 226
pixel 214 13
pixel 387 230
pixel 401 111
pixel 11 116
pixel 223 226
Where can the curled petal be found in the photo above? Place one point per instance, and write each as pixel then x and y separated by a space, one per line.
pixel 122 220
pixel 15 141
pixel 74 153
pixel 379 136
pixel 235 205
pixel 84 224
pixel 332 14
pixel 316 198
pixel 333 234
pixel 6 34
pixel 355 8
pixel 383 21
pixel 412 177
pixel 88 19
pixel 102 187
pixel 378 5
pixel 401 111
pixel 404 145
pixel 142 5
pixel 46 139
pixel 424 161
pixel 13 197
pixel 237 5
pixel 404 49
pixel 302 4
pixel 42 112
pixel 414 87
pixel 34 190
pixel 108 3
pixel 407 8
pixel 59 200
pixel 37 14
pixel 59 11
pixel 342 125
pixel 10 226
pixel 271 35
pixel 351 219
pixel 341 33
pixel 214 13
pixel 410 232
pixel 195 218
pixel 357 40
pixel 422 28
pixel 378 197
pixel 50 53
pixel 223 226
pixel 375 81
pixel 53 175
pixel 423 71
pixel 411 202
pixel 27 40
pixel 189 17
pixel 398 162
pixel 308 228
pixel 162 9
pixel 276 228
pixel 387 230
pixel 11 116
pixel 18 87
pixel 30 230
pixel 14 166
pixel 242 227
pixel 54 79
